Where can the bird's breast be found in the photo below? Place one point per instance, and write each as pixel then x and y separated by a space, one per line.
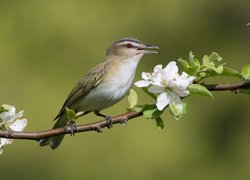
pixel 112 88
pixel 118 81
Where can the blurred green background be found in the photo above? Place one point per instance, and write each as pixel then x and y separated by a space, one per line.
pixel 45 48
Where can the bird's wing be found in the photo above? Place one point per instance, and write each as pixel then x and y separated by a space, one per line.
pixel 84 86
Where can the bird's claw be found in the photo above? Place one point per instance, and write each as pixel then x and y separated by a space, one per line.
pixel 72 126
pixel 109 120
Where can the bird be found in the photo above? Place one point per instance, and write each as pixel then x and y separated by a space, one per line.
pixel 104 85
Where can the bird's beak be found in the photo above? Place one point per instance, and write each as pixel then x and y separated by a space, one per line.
pixel 146 49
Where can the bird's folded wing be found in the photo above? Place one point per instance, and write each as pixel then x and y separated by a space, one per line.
pixel 84 86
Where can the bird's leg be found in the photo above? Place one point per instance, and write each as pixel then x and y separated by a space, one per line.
pixel 72 124
pixel 108 118
pixel 81 113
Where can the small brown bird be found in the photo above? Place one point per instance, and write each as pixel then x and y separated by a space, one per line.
pixel 104 85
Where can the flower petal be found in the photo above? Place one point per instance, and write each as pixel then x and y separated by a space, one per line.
pixel 162 101
pixel 3 142
pixel 157 68
pixel 181 84
pixel 146 76
pixel 191 79
pixel 18 125
pixel 157 79
pixel 176 106
pixel 9 108
pixel 8 115
pixel 171 69
pixel 19 114
pixel 142 83
pixel 176 100
pixel 184 75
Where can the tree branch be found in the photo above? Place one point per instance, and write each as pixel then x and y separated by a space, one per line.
pixel 228 87
pixel 96 126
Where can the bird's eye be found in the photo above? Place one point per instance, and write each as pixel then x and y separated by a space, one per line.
pixel 129 45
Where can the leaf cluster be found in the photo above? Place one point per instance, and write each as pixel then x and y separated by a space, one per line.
pixel 210 66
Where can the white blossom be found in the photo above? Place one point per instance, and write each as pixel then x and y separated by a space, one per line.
pixel 10 120
pixel 3 142
pixel 10 113
pixel 168 83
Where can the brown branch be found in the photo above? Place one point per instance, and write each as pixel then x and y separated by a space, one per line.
pixel 228 87
pixel 96 126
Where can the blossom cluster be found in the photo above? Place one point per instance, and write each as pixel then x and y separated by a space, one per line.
pixel 10 120
pixel 169 84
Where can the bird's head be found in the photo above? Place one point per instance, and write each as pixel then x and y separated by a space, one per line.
pixel 129 48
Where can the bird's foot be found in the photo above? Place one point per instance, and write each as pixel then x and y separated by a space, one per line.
pixel 109 120
pixel 72 125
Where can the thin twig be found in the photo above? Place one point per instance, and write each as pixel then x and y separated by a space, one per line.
pixel 228 87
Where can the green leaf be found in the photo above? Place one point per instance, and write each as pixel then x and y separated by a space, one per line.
pixel 211 60
pixel 185 108
pixel 159 122
pixel 197 62
pixel 138 108
pixel 148 111
pixel 151 111
pixel 191 70
pixel 132 98
pixel 218 69
pixel 230 72
pixel 211 70
pixel 184 64
pixel 2 109
pixel 191 58
pixel 205 60
pixel 197 89
pixel 214 57
pixel 246 72
pixel 70 114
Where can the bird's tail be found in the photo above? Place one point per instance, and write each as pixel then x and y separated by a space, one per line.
pixel 55 141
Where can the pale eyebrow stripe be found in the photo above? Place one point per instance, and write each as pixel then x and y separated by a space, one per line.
pixel 130 40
